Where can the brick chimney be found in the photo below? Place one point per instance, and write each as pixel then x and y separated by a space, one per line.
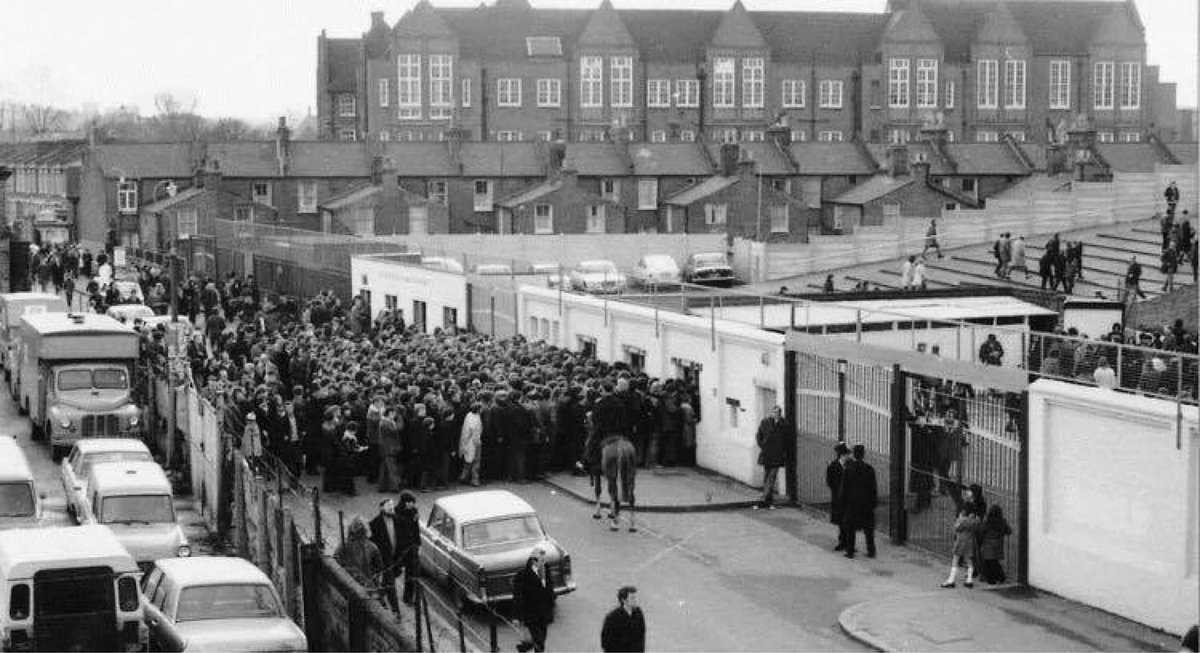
pixel 283 146
pixel 730 153
pixel 454 141
pixel 208 175
pixel 897 162
pixel 920 171
pixel 780 134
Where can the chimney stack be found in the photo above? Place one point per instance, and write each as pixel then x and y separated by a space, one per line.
pixel 897 161
pixel 283 146
pixel 730 153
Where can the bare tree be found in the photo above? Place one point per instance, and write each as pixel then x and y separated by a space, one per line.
pixel 176 118
pixel 229 129
pixel 43 119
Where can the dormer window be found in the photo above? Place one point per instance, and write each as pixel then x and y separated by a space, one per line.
pixel 543 46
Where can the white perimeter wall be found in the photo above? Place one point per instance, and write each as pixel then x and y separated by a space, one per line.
pixel 740 363
pixel 410 283
pixel 1114 513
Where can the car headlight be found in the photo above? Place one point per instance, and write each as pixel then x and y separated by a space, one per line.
pixel 184 551
pixel 134 421
pixel 65 423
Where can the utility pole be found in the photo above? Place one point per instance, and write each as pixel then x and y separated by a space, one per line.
pixel 174 357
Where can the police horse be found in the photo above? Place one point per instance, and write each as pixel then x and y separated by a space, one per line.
pixel 618 466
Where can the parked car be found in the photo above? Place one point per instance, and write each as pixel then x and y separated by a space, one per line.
pixel 130 291
pixel 77 466
pixel 494 269
pixel 597 277
pixel 655 270
pixel 130 313
pixel 20 498
pixel 708 267
pixel 134 500
pixel 442 263
pixel 216 603
pixel 552 271
pixel 476 542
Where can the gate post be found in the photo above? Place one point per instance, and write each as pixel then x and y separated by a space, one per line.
pixel 841 408
pixel 789 416
pixel 311 586
pixel 899 464
pixel 1023 491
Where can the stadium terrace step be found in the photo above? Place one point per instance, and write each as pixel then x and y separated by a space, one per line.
pixel 1035 280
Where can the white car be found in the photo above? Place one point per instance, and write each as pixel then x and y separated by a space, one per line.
pixel 442 263
pixel 130 313
pixel 215 603
pixel 494 269
pixel 597 276
pixel 655 270
pixel 552 271
pixel 76 467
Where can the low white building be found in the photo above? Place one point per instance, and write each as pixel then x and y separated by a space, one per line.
pixel 433 297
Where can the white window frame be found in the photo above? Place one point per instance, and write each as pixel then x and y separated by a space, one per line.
pixel 243 214
pixel 262 193
pixel 508 92
pixel 127 196
pixel 1131 85
pixel 466 92
pixel 658 93
pixel 408 86
pixel 987 136
pixel 687 136
pixel 441 86
pixel 306 196
pixel 543 219
pixel 898 83
pixel 987 84
pixel 483 201
pixel 792 92
pixel 830 136
pixel 610 189
pixel 621 70
pixel 1018 135
pixel 753 82
pixel 1060 84
pixel 799 135
pixel 724 82
pixel 549 92
pixel 1105 137
pixel 187 222
pixel 1014 83
pixel 899 136
pixel 1103 92
pixel 927 83
pixel 509 136
pixel 596 219
pixel 658 136
pixel 385 91
pixel 364 220
pixel 780 218
pixel 385 135
pixel 831 94
pixel 754 136
pixel 647 194
pixel 1131 137
pixel 687 93
pixel 716 214
pixel 545 135
pixel 437 191
pixel 347 134
pixel 591 82
pixel 951 93
pixel 347 105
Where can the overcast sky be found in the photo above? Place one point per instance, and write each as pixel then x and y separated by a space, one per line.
pixel 256 59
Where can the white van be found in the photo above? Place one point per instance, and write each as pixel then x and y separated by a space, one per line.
pixel 133 499
pixel 68 589
pixel 20 502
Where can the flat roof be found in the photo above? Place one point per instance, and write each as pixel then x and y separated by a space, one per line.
pixel 484 504
pixel 876 311
pixel 211 570
pixel 132 475
pixel 26 551
pixel 61 323
pixel 13 466
pixel 94 445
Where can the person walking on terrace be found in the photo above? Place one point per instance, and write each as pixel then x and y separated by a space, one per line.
pixel 771 437
pixel 931 241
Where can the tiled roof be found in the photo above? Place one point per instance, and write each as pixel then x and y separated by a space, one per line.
pixel 493 159
pixel 497 33
pixel 350 197
pixel 821 158
pixel 534 192
pixel 244 158
pixel 168 202
pixel 737 30
pixel 669 35
pixel 768 160
pixel 42 153
pixel 669 159
pixel 330 159
pixel 422 21
pixel 421 159
pixel 342 57
pixel 820 36
pixel 594 160
pixel 985 159
pixel 1052 26
pixel 146 160
pixel 1187 153
pixel 710 186
pixel 1129 157
pixel 606 29
pixel 873 189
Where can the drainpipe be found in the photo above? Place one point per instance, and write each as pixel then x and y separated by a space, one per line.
pixel 483 103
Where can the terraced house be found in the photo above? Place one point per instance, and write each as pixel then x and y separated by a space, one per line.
pixel 510 71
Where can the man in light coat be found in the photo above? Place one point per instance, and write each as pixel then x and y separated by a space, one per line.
pixel 468 445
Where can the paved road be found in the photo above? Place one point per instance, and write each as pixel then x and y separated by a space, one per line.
pixel 717 581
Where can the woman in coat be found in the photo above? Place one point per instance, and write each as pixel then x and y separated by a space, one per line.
pixel 468 445
pixel 359 556
pixel 390 445
pixel 965 528
pixel 995 529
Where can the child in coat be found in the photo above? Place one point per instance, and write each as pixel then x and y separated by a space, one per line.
pixel 965 529
pixel 995 528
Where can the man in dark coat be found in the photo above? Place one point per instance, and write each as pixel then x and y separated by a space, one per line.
pixel 772 438
pixel 859 496
pixel 385 533
pixel 625 627
pixel 533 601
pixel 833 480
pixel 408 542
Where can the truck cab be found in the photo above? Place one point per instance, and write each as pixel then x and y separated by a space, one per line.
pixel 80 594
pixel 75 376
pixel 13 307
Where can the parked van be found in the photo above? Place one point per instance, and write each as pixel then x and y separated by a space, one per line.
pixel 68 589
pixel 133 499
pixel 20 503
pixel 14 306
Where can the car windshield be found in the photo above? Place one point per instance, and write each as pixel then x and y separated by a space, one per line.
pixel 109 457
pixel 231 601
pixel 16 500
pixel 501 531
pixel 710 259
pixel 105 379
pixel 598 268
pixel 137 509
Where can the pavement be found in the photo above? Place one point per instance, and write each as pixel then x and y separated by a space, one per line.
pixel 929 618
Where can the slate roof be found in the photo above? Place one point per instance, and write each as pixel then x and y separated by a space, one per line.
pixel 307 159
pixel 145 160
pixel 872 189
pixel 1187 153
pixel 498 33
pixel 168 202
pixel 341 58
pixel 421 159
pixel 669 159
pixel 594 160
pixel 42 153
pixel 706 188
pixel 768 159
pixel 1129 157
pixel 532 193
pixel 671 36
pixel 823 37
pixel 1052 26
pixel 986 159
pixel 351 196
pixel 495 159
pixel 822 158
